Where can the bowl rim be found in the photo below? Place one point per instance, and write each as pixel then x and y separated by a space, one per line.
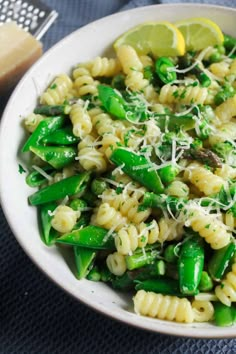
pixel 181 331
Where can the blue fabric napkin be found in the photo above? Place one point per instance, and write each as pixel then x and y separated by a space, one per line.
pixel 38 317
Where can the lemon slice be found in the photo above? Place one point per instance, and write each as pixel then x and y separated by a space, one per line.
pixel 158 38
pixel 200 33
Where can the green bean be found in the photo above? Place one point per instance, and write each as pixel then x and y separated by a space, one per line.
pixel 84 258
pixel 206 283
pixel 52 110
pixel 59 190
pixel 90 237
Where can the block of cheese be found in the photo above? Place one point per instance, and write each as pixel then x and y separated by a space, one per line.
pixel 19 50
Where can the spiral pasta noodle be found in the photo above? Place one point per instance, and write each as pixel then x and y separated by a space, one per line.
pixel 164 307
pixel 84 82
pixel 90 157
pixel 226 110
pixel 116 263
pixel 129 59
pixel 128 204
pixel 57 92
pixel 203 311
pixel 32 121
pixel 80 120
pixel 186 95
pixel 226 291
pixel 209 227
pixel 206 181
pixel 64 219
pixel 108 217
pixel 104 67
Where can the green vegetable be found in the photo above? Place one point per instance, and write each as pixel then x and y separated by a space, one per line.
pixel 224 316
pixel 171 253
pixel 78 204
pixel 44 128
pixel 94 274
pixel 138 168
pixel 204 80
pixel 59 190
pixel 165 70
pixel 162 201
pixel 173 122
pixel 56 156
pixel 220 260
pixel 124 283
pixel 63 136
pixel 162 285
pixel 36 179
pixel 53 110
pixel 206 283
pixel 112 101
pixel 168 173
pixel 49 235
pixel 84 258
pixel 229 42
pixel 190 265
pixel 138 260
pixel 98 186
pixel 90 237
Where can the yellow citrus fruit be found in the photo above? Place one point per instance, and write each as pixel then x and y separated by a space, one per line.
pixel 157 38
pixel 200 33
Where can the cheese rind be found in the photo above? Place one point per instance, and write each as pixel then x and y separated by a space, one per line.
pixel 19 50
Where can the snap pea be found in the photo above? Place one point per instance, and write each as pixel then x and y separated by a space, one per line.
pixel 84 258
pixel 56 156
pixel 124 283
pixel 112 101
pixel 138 168
pixel 59 190
pixel 63 136
pixel 90 237
pixel 224 315
pixel 49 235
pixel 173 122
pixel 171 253
pixel 163 285
pixel 206 283
pixel 138 260
pixel 220 260
pixel 44 128
pixel 118 82
pixel 36 179
pixel 53 110
pixel 156 268
pixel 165 70
pixel 190 264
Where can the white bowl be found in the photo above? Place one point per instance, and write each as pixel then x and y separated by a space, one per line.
pixel 84 44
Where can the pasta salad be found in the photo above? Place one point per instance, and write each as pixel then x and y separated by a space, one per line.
pixel 134 162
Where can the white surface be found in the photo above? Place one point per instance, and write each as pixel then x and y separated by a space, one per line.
pixel 84 44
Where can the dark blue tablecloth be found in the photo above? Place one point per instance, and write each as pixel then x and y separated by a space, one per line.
pixel 38 317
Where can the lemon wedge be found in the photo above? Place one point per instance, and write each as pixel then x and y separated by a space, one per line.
pixel 157 38
pixel 200 33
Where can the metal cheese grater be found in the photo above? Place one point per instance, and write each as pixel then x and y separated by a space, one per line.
pixel 33 15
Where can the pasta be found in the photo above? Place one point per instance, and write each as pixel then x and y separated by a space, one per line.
pixel 64 219
pixel 57 92
pixel 80 120
pixel 163 307
pixel 204 179
pixel 226 292
pixel 136 162
pixel 208 226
